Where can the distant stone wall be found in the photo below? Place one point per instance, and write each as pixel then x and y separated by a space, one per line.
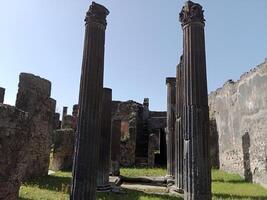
pixel 34 97
pixel 61 156
pixel 14 150
pixel 238 112
pixel 127 112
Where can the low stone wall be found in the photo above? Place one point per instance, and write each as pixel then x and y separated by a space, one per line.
pixel 238 112
pixel 61 156
pixel 14 146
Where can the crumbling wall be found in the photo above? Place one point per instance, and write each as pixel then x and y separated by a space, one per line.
pixel 238 112
pixel 61 156
pixel 34 97
pixel 14 146
pixel 127 112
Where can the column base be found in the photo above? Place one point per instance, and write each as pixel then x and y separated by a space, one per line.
pixel 170 180
pixel 104 188
pixel 190 196
pixel 175 189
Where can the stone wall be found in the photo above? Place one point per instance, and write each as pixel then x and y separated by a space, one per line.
pixel 34 97
pixel 238 112
pixel 14 150
pixel 62 149
pixel 127 112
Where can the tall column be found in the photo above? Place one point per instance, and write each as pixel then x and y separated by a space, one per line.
pixel 2 94
pixel 104 147
pixel 197 172
pixel 116 147
pixel 90 100
pixel 179 137
pixel 170 135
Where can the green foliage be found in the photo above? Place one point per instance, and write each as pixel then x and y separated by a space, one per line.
pixel 225 186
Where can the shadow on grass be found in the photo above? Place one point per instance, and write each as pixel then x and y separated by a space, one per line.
pixel 134 195
pixel 229 181
pixel 228 196
pixel 50 182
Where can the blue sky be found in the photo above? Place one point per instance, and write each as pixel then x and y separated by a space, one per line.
pixel 143 44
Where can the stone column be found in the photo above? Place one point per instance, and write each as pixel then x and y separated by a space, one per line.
pixel 64 114
pixel 104 144
pixel 34 97
pixel 179 137
pixel 170 134
pixel 116 147
pixel 75 113
pixel 75 110
pixel 2 94
pixel 91 87
pixel 197 172
pixel 56 121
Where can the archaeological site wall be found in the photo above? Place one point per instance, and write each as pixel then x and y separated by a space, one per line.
pixel 34 97
pixel 61 156
pixel 127 112
pixel 14 150
pixel 238 113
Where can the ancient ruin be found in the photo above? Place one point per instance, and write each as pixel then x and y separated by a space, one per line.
pixel 179 134
pixel 104 144
pixel 34 98
pixel 238 114
pixel 62 150
pixel 170 132
pixel 90 104
pixel 102 138
pixel 2 94
pixel 138 126
pixel 115 147
pixel 197 171
pixel 14 150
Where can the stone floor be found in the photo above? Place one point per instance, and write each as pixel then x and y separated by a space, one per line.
pixel 147 188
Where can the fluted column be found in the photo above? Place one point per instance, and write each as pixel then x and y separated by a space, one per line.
pixel 116 147
pixel 90 101
pixel 170 134
pixel 179 137
pixel 2 94
pixel 104 147
pixel 197 172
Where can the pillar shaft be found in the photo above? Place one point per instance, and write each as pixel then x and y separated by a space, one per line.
pixel 116 147
pixel 104 147
pixel 179 137
pixel 2 94
pixel 170 135
pixel 197 172
pixel 90 100
pixel 64 113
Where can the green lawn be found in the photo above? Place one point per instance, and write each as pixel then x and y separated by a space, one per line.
pixel 224 186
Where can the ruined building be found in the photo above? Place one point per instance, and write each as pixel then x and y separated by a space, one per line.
pixel 140 132
pixel 238 114
pixel 25 134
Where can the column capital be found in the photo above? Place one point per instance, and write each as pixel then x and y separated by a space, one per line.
pixel 171 80
pixel 96 15
pixel 191 12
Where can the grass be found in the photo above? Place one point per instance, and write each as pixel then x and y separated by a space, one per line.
pixel 224 187
pixel 232 186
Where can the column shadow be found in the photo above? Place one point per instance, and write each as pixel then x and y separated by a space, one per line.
pixel 246 157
